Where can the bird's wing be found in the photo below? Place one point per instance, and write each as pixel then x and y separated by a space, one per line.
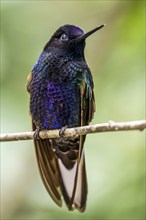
pixel 48 167
pixel 87 107
pixel 87 103
pixel 29 80
pixel 87 99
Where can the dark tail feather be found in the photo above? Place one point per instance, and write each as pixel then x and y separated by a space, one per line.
pixel 48 171
pixel 47 164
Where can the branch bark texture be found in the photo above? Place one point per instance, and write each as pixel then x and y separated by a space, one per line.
pixel 70 132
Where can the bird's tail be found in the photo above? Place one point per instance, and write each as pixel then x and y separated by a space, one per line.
pixel 74 184
pixel 61 171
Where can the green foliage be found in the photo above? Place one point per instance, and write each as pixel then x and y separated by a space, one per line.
pixel 115 161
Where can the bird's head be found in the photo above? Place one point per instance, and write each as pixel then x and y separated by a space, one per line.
pixel 70 39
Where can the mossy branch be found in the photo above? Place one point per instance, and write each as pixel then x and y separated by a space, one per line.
pixel 70 132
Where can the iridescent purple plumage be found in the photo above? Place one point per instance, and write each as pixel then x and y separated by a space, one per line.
pixel 73 31
pixel 55 99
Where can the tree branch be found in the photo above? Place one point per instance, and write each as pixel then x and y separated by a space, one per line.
pixel 71 132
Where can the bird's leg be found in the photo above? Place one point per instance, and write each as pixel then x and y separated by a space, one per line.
pixel 36 134
pixel 62 130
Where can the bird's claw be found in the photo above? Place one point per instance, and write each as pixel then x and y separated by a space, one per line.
pixel 62 130
pixel 36 134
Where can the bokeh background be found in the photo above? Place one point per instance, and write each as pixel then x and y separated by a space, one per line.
pixel 116 55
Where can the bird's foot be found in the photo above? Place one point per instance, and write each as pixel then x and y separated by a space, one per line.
pixel 36 134
pixel 62 130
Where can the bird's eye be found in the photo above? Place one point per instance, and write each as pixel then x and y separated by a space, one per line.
pixel 64 37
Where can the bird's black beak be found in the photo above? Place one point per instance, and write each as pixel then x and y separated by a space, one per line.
pixel 84 36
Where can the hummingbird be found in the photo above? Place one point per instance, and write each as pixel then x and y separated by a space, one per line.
pixel 61 95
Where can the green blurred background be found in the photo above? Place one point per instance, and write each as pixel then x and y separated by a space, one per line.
pixel 115 161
